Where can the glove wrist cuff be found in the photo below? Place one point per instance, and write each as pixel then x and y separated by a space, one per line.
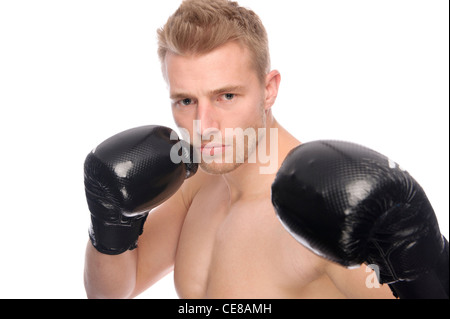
pixel 115 239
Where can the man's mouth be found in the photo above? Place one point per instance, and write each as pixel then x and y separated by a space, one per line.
pixel 212 149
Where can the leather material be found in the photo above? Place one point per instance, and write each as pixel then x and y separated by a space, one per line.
pixel 125 177
pixel 353 205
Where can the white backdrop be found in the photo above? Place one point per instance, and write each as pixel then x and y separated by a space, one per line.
pixel 72 73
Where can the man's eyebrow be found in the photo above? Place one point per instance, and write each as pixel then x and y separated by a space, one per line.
pixel 177 96
pixel 225 89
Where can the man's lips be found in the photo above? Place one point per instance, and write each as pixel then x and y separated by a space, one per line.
pixel 213 148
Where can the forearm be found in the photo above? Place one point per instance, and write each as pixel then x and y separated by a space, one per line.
pixel 109 276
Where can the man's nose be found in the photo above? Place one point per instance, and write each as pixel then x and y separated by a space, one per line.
pixel 208 119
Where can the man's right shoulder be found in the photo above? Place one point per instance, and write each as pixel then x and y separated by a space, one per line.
pixel 192 186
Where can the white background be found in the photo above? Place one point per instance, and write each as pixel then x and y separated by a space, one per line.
pixel 72 73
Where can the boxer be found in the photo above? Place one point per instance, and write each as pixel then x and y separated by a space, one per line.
pixel 213 224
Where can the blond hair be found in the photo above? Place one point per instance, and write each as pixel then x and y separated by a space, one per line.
pixel 200 26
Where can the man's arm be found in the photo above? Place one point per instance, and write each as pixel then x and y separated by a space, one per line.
pixel 128 274
pixel 158 244
pixel 353 205
pixel 358 283
pixel 101 274
pixel 126 177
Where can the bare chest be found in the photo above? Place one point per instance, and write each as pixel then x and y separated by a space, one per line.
pixel 239 251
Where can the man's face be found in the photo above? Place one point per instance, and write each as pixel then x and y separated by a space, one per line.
pixel 213 94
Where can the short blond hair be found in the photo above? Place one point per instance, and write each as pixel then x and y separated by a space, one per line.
pixel 200 26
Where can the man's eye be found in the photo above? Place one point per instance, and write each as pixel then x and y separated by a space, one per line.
pixel 185 102
pixel 228 96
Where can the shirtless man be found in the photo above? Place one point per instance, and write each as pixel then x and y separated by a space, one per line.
pixel 218 231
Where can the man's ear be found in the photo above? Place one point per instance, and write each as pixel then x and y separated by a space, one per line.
pixel 272 84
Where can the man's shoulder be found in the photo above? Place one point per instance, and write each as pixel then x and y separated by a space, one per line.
pixel 196 183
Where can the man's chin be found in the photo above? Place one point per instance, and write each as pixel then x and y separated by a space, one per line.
pixel 219 168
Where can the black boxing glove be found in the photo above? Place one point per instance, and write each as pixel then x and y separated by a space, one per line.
pixel 126 176
pixel 353 205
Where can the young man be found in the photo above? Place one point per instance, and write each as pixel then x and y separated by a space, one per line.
pixel 218 231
